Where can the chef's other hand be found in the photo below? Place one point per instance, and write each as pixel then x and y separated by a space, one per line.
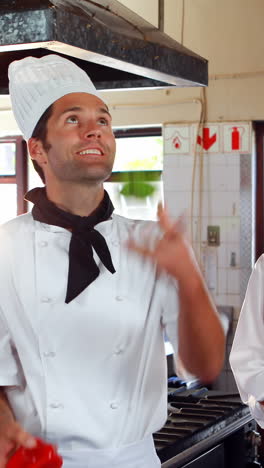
pixel 171 252
pixel 12 435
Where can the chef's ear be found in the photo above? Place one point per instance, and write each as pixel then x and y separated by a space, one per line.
pixel 36 151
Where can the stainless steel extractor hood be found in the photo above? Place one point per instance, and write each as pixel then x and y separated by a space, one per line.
pixel 102 38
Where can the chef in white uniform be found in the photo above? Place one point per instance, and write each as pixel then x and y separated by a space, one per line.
pixel 87 295
pixel 247 353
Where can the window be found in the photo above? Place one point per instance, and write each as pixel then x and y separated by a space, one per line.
pixel 135 185
pixel 13 177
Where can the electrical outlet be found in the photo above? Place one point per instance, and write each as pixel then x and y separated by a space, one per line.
pixel 213 235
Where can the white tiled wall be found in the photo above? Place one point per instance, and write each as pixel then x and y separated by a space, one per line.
pixel 216 201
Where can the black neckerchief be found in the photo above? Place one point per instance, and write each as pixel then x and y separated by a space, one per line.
pixel 82 267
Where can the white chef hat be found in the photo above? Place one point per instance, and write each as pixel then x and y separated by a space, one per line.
pixel 36 83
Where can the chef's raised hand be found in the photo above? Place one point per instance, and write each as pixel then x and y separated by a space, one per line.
pixel 171 252
pixel 12 435
pixel 201 340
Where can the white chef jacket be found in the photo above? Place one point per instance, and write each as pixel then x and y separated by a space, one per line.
pixel 90 374
pixel 247 353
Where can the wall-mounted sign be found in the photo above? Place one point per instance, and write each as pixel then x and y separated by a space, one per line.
pixel 209 140
pixel 177 139
pixel 222 137
pixel 237 138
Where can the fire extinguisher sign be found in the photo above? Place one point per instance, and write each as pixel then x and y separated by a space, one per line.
pixel 237 137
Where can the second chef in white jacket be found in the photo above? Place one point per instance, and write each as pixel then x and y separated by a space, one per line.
pixel 247 353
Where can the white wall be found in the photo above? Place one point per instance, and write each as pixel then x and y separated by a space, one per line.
pixel 148 9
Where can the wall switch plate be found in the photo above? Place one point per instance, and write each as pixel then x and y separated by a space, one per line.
pixel 213 235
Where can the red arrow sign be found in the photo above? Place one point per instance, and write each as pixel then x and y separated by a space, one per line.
pixel 206 142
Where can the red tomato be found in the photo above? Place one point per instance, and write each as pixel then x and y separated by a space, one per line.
pixel 42 456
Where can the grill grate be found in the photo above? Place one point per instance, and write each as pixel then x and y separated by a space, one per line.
pixel 196 415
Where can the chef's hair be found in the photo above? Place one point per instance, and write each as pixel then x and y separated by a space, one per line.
pixel 40 133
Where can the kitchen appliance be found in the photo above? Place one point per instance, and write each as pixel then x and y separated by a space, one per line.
pixel 118 48
pixel 206 429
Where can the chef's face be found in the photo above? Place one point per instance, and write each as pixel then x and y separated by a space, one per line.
pixel 80 145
